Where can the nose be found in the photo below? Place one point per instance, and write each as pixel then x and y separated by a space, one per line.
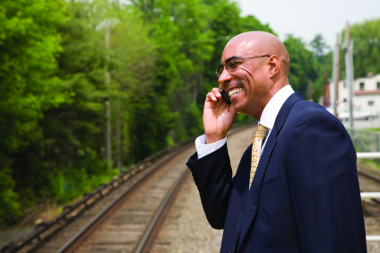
pixel 224 78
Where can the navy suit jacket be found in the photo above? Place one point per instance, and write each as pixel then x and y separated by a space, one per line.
pixel 305 194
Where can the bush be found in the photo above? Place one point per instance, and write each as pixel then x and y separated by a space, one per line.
pixel 9 206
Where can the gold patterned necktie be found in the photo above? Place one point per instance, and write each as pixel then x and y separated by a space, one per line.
pixel 260 133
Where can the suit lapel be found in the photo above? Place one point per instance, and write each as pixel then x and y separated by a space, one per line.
pixel 254 193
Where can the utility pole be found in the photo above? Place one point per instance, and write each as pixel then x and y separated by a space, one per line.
pixel 107 102
pixel 325 87
pixel 118 137
pixel 336 75
pixel 349 74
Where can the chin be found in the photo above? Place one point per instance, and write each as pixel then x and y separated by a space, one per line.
pixel 242 109
pixel 239 109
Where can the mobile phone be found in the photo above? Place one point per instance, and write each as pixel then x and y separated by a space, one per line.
pixel 225 96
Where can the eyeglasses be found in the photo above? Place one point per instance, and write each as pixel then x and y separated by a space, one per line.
pixel 232 63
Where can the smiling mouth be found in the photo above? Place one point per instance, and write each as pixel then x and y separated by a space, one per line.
pixel 233 92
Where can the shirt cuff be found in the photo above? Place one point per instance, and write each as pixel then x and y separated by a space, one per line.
pixel 204 149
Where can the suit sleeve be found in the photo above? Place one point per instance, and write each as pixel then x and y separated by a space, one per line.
pixel 212 175
pixel 324 186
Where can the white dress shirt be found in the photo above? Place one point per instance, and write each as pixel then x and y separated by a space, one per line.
pixel 268 118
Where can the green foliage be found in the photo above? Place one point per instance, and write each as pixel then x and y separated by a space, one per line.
pixel 145 114
pixel 72 132
pixel 29 43
pixel 304 67
pixel 9 205
pixel 366 42
pixel 373 129
pixel 194 124
pixel 242 119
pixel 70 184
pixel 324 56
pixel 250 23
pixel 373 163
pixel 319 47
pixel 149 126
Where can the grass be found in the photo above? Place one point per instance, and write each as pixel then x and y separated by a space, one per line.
pixel 371 162
pixel 373 129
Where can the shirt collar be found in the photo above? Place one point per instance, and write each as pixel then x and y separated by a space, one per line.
pixel 271 110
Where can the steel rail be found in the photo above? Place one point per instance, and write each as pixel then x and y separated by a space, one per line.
pixel 144 239
pixel 67 246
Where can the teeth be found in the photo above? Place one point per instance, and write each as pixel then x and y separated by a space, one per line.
pixel 234 92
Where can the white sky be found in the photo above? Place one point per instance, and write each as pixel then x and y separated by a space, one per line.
pixel 306 18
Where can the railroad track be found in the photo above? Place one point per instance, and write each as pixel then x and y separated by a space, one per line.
pixel 127 223
pixel 49 237
pixel 131 222
pixel 120 224
pixel 131 217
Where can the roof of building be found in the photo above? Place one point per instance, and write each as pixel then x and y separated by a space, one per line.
pixel 367 92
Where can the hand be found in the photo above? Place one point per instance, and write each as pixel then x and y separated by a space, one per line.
pixel 217 116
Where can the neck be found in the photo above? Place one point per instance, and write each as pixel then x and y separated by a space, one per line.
pixel 275 88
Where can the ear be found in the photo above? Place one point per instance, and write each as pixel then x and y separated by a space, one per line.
pixel 274 64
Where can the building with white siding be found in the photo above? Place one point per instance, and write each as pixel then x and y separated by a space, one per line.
pixel 366 93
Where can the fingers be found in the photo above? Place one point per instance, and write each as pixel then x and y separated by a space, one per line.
pixel 214 95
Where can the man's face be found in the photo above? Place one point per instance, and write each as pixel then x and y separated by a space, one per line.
pixel 244 82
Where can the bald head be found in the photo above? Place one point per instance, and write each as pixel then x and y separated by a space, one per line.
pixel 256 65
pixel 261 43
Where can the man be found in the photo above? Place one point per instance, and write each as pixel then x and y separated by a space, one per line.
pixel 300 192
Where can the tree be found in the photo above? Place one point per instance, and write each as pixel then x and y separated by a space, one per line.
pixel 29 42
pixel 304 67
pixel 324 56
pixel 319 47
pixel 146 120
pixel 72 149
pixel 251 23
pixel 184 43
pixel 366 53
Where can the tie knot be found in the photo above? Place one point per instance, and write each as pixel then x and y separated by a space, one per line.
pixel 261 131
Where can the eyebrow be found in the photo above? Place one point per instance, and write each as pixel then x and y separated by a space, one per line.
pixel 229 59
pixel 232 58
